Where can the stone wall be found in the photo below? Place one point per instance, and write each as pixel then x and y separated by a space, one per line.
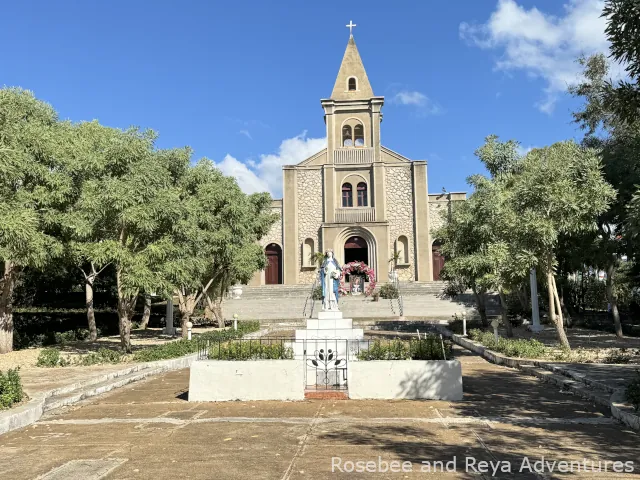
pixel 310 215
pixel 275 233
pixel 437 215
pixel 399 188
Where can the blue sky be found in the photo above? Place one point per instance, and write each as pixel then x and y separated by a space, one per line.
pixel 241 82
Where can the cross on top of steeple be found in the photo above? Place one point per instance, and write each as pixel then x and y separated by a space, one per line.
pixel 350 27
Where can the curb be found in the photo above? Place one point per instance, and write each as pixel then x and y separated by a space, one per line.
pixel 31 412
pixel 620 409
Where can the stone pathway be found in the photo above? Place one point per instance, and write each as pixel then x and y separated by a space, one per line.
pixel 148 430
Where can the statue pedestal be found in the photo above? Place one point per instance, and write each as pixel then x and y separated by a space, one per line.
pixel 328 331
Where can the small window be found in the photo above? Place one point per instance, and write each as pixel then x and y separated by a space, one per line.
pixel 347 140
pixel 362 194
pixel 307 252
pixel 358 135
pixel 347 195
pixel 352 84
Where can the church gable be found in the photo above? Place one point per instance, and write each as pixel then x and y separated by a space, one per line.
pixel 389 156
pixel 319 158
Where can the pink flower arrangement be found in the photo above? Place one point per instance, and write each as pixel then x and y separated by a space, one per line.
pixel 359 268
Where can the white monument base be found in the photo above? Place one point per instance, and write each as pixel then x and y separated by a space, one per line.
pixel 328 331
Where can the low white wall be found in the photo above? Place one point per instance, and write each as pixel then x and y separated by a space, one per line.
pixel 410 379
pixel 218 380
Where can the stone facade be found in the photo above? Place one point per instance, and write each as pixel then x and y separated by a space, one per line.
pixel 275 233
pixel 355 196
pixel 399 188
pixel 309 218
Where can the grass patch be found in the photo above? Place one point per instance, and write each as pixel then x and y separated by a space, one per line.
pixel 429 348
pixel 518 348
pixel 10 388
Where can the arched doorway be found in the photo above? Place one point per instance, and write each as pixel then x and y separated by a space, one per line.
pixel 273 272
pixel 356 250
pixel 437 259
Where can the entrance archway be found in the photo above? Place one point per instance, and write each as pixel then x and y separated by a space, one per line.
pixel 356 250
pixel 273 272
pixel 437 259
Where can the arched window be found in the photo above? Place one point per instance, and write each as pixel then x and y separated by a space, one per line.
pixel 402 248
pixel 347 140
pixel 307 252
pixel 352 84
pixel 347 195
pixel 362 194
pixel 358 135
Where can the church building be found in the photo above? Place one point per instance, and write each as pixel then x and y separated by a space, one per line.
pixel 356 196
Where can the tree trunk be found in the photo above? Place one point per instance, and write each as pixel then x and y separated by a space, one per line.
pixel 556 316
pixel 505 320
pixel 613 299
pixel 482 309
pixel 6 307
pixel 186 306
pixel 125 309
pixel 214 307
pixel 91 316
pixel 147 311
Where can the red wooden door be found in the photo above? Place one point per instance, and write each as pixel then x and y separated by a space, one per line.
pixel 438 261
pixel 273 272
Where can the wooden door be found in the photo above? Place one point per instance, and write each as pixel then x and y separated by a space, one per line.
pixel 437 261
pixel 273 272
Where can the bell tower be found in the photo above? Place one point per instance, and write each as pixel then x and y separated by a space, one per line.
pixel 352 116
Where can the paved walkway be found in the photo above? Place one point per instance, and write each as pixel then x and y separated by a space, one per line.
pixel 149 431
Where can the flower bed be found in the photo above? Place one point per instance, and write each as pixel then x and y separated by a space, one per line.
pixel 358 268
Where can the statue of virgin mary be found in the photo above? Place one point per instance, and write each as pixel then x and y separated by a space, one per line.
pixel 330 272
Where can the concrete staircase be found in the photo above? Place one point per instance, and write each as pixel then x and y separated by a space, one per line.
pixel 296 291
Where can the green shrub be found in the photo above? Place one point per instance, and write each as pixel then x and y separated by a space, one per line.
pixel 633 392
pixel 183 347
pixel 519 348
pixel 429 348
pixel 388 291
pixel 50 357
pixel 250 350
pixel 10 388
pixel 317 293
pixel 104 355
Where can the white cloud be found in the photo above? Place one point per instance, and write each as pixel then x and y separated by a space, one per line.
pixel 265 174
pixel 416 99
pixel 543 45
pixel 522 151
pixel 246 134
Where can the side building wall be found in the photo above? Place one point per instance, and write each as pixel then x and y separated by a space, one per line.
pixel 399 190
pixel 310 215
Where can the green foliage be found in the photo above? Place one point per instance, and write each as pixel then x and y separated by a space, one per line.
pixel 51 357
pixel 587 293
pixel 183 347
pixel 519 348
pixel 429 348
pixel 317 293
pixel 10 388
pixel 388 291
pixel 632 392
pixel 103 355
pixel 250 350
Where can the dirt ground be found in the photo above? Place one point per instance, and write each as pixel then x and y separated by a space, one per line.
pixel 149 430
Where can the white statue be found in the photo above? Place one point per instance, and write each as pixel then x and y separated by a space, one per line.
pixel 330 273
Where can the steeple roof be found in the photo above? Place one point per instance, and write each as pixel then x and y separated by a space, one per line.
pixel 352 66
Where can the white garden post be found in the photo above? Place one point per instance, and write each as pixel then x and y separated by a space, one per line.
pixel 494 324
pixel 189 327
pixel 464 324
pixel 235 321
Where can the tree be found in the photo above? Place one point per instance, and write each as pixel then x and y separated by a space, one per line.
pixel 559 190
pixel 215 241
pixel 618 144
pixel 35 187
pixel 131 205
pixel 623 32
